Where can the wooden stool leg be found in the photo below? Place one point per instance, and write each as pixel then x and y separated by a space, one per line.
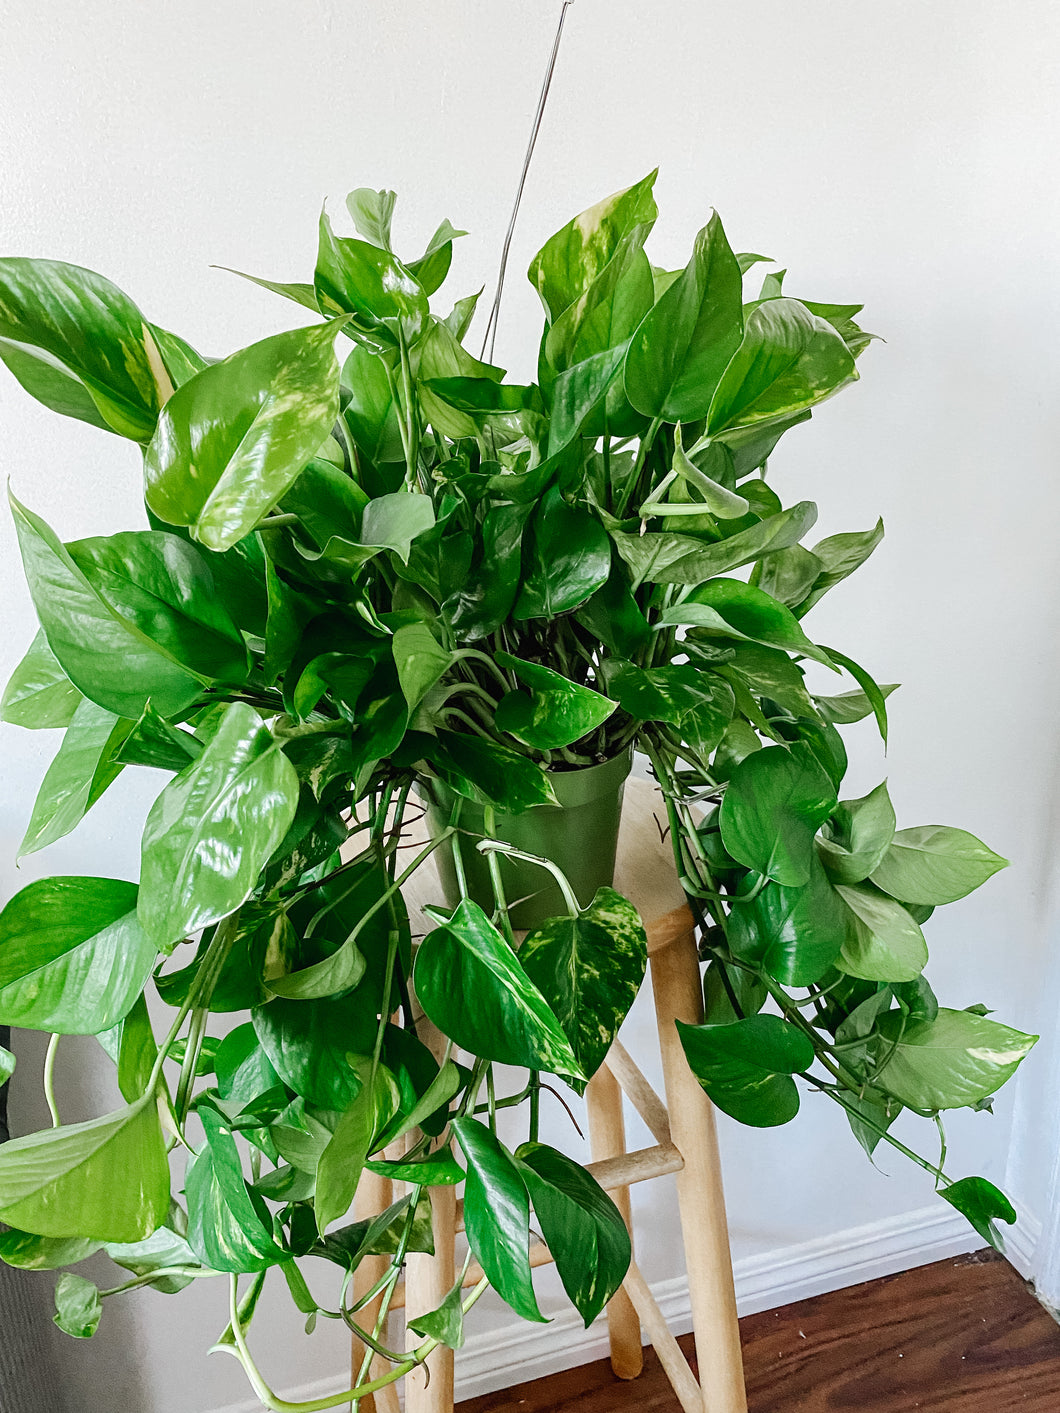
pixel 374 1195
pixel 607 1139
pixel 678 996
pixel 428 1280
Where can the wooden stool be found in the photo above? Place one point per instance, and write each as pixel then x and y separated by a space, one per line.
pixel 685 1144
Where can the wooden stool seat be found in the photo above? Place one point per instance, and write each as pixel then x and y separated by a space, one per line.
pixel 685 1144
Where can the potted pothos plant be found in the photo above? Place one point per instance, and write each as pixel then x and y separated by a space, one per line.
pixel 375 576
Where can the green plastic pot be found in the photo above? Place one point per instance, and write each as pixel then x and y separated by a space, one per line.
pixel 580 836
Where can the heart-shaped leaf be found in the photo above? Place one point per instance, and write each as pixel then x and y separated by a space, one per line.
pixel 935 864
pixel 885 943
pixel 773 805
pixel 950 1062
pixel 232 440
pixel 73 957
pixel 555 712
pixel 214 827
pixel 589 969
pixel 746 1067
pixel 474 988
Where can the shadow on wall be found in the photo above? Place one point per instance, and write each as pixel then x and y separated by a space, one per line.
pixel 32 1359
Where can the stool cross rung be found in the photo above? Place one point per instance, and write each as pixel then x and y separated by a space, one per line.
pixel 639 1092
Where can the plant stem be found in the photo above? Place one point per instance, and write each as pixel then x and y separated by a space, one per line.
pixel 318 1405
pixel 49 1079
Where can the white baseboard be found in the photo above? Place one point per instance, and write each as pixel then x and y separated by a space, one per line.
pixel 520 1351
pixel 1021 1241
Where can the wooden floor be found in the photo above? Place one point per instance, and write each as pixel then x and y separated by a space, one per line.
pixel 960 1336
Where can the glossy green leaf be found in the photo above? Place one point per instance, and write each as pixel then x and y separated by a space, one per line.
pixel 213 828
pixel 420 660
pixel 263 946
pixel 155 742
pixel 459 320
pixel 579 394
pixel 167 588
pixel 660 557
pixel 309 1043
pixel 179 360
pixel 569 262
pixel 134 1042
pixel 129 651
pixel 432 1105
pixel 795 934
pixel 849 707
pixel 77 1306
pixel 483 770
pixel 438 1169
pixel 555 712
pixel 744 987
pixel 775 802
pixel 39 695
pixel 228 1228
pixel 432 266
pixel 372 213
pixel 582 1227
pixel 394 521
pixel 342 1161
pixel 876 695
pixel 607 311
pixel 497 1216
pixel 474 988
pixel 589 969
pixel 369 406
pixel 788 575
pixel 935 864
pixel 983 1204
pixel 858 835
pixel 107 1178
pixel 728 607
pixel 770 672
pixel 232 440
pixel 84 766
pixel 788 361
pixel 445 1323
pixel 163 1250
pixel 358 276
pixel 884 944
pixel 698 703
pixel 678 354
pixel 950 1062
pixel 569 558
pixel 73 957
pixel 839 556
pixel 381 1235
pixel 7 1065
pixel 746 1067
pixel 79 345
pixel 483 600
pixel 28 1252
pixel 297 291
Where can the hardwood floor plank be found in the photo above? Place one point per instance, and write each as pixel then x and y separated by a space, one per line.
pixel 961 1336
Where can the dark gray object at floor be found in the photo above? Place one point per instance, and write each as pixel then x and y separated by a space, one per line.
pixel 28 1383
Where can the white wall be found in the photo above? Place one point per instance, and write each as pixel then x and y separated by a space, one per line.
pixel 902 154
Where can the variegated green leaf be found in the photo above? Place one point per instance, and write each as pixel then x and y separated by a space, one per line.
pixel 473 987
pixel 589 969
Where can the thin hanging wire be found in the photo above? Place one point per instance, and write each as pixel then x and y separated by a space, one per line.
pixel 490 337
